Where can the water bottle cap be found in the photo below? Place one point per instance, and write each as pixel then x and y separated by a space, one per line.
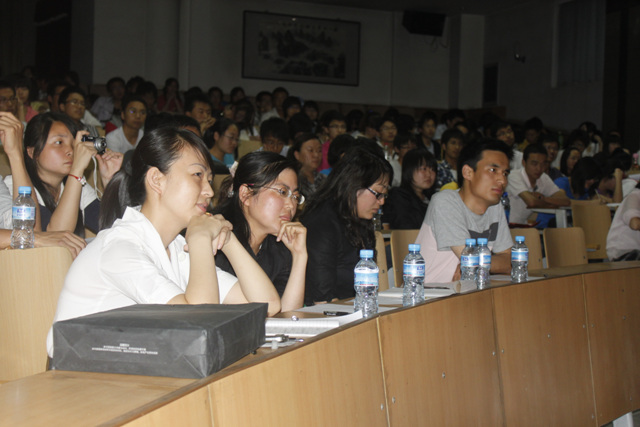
pixel 482 241
pixel 24 190
pixel 414 247
pixel 520 239
pixel 366 253
pixel 505 194
pixel 470 242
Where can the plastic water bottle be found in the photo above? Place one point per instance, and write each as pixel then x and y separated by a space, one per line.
pixel 469 262
pixel 483 278
pixel 377 221
pixel 23 215
pixel 366 284
pixel 519 261
pixel 413 276
pixel 506 205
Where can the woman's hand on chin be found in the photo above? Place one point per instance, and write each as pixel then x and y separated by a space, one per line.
pixel 109 163
pixel 294 237
pixel 214 228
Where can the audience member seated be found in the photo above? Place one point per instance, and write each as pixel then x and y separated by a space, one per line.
pixel 387 131
pixel 452 144
pixel 141 259
pixel 108 108
pixel 290 106
pixel 402 143
pixel 577 139
pixel 149 93
pixel 222 140
pixel 127 136
pixel 298 124
pixel 532 132
pixel 502 131
pixel 24 89
pixel 236 95
pixel 278 96
pixel 333 125
pixel 260 201
pixel 216 98
pixel 72 103
pixel 570 157
pixel 199 107
pixel 427 131
pixel 580 185
pixel 407 204
pixel 473 211
pixel 11 131
pixel 610 186
pixel 170 101
pixel 623 240
pixel 55 158
pixel 275 135
pixel 54 89
pixel 529 187
pixel 368 128
pixel 593 144
pixel 338 147
pixel 449 121
pixel 264 104
pixel 306 152
pixel 338 221
pixel 244 119
pixel 8 100
pixel 311 110
pixel 552 146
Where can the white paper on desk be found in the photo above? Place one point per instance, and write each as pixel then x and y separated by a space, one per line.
pixel 307 327
pixel 321 308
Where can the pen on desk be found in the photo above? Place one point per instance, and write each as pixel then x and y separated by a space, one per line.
pixel 335 313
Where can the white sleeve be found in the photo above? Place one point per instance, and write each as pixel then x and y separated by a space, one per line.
pixel 5 206
pixel 516 184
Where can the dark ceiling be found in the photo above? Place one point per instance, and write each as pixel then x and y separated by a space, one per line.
pixel 448 7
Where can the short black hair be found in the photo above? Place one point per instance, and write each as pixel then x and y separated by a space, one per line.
pixel 64 95
pixel 472 154
pixel 128 99
pixel 114 80
pixel 299 123
pixel 53 84
pixel 401 139
pixel 534 149
pixel 289 102
pixel 426 116
pixel 190 101
pixel 331 115
pixel 338 147
pixel 496 126
pixel 534 123
pixel 275 127
pixel 450 134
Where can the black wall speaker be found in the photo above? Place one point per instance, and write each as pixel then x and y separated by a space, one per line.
pixel 429 24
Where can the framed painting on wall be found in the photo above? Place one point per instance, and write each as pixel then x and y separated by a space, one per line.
pixel 300 49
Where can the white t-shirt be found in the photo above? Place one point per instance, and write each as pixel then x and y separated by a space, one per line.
pixel 519 183
pixel 622 239
pixel 125 265
pixel 5 207
pixel 116 141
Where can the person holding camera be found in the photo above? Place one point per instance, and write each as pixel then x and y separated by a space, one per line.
pixel 55 157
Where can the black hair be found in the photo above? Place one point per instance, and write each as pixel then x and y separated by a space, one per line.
pixel 114 80
pixel 311 104
pixel 191 99
pixel 338 147
pixel 534 149
pixel 405 123
pixel 577 135
pixel 4 84
pixel 257 169
pixel 383 120
pixel 564 158
pixel 299 123
pixel 69 90
pixel 354 119
pixel 623 157
pixel 234 92
pixel 359 169
pixel 426 116
pixel 455 113
pixel 413 160
pixel 298 142
pixel 289 102
pixel 472 154
pixel 168 82
pixel 220 127
pixel 147 87
pixel 329 116
pixel 274 127
pixel 183 121
pixel 496 126
pixel 162 119
pixel 401 139
pixel 26 83
pixel 586 168
pixel 534 123
pixel 370 120
pixel 35 138
pixel 550 138
pixel 279 89
pixel 128 99
pixel 450 134
pixel 53 84
pixel 159 148
pixel 262 94
pixel 134 81
pixel 610 139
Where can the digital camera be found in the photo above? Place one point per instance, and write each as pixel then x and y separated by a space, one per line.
pixel 99 143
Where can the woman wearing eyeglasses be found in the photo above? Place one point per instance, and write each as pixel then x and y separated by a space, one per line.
pixel 338 220
pixel 127 136
pixel 222 140
pixel 260 201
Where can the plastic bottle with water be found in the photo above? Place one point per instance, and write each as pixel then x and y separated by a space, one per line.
pixel 519 261
pixel 23 214
pixel 413 276
pixel 366 284
pixel 506 204
pixel 469 262
pixel 483 278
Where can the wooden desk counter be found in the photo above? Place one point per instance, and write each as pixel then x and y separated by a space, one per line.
pixel 558 351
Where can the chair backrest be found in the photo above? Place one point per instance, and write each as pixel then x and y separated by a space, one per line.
pixel 564 247
pixel 383 276
pixel 246 146
pixel 30 284
pixel 595 221
pixel 532 240
pixel 400 240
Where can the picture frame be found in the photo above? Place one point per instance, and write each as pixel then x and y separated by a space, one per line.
pixel 300 49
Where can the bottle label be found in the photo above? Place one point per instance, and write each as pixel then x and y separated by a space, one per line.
pixel 23 213
pixel 469 260
pixel 366 279
pixel 415 270
pixel 520 255
pixel 484 259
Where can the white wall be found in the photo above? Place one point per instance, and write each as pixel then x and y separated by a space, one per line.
pixel 526 89
pixel 395 67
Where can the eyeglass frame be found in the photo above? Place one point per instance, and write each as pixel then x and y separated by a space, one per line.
pixel 379 196
pixel 289 194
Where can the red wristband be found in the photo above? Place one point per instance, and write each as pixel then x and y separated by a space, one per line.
pixel 81 180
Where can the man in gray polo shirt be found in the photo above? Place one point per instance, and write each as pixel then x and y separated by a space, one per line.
pixel 473 211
